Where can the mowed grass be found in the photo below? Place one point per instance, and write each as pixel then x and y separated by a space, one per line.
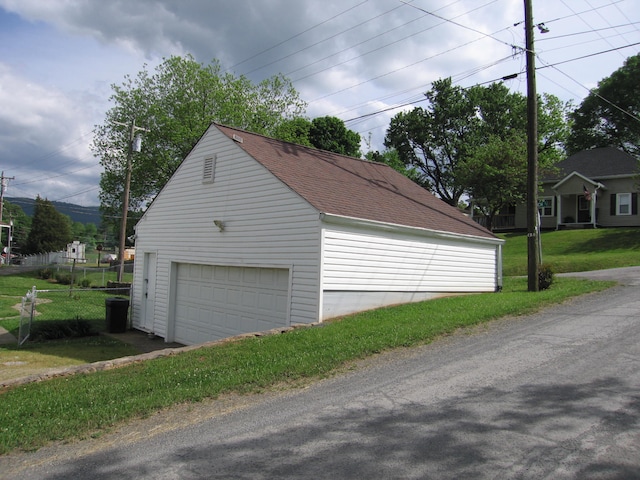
pixel 56 304
pixel 84 405
pixel 575 250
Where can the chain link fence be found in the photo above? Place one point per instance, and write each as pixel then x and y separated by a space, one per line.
pixel 86 305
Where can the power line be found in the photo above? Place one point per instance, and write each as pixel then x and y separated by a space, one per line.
pixel 297 35
pixel 388 45
pixel 459 24
pixel 323 40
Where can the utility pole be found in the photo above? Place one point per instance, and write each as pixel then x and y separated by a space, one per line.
pixel 125 200
pixel 3 186
pixel 533 231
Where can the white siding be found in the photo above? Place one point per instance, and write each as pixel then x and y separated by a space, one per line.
pixel 266 224
pixel 214 302
pixel 367 269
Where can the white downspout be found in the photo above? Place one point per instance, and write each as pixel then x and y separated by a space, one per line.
pixel 593 207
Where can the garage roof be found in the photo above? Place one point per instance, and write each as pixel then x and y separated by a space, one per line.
pixel 350 187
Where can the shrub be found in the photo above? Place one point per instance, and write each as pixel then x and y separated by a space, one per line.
pixel 63 278
pixel 58 329
pixel 85 283
pixel 545 277
pixel 45 273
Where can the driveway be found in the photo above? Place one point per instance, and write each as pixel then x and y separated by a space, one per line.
pixel 553 395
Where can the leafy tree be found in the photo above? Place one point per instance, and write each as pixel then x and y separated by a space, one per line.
pixel 331 134
pixel 176 104
pixel 85 233
pixel 50 230
pixel 442 140
pixel 496 174
pixel 295 130
pixel 21 226
pixel 610 115
pixel 391 158
pixel 434 139
pixel 324 133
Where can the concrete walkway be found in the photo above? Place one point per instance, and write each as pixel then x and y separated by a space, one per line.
pixel 6 338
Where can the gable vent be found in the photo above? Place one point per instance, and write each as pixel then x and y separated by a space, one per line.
pixel 208 170
pixel 237 138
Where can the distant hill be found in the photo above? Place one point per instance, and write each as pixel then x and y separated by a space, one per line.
pixel 77 213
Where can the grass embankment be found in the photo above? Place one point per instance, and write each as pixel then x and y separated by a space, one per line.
pixel 575 250
pixel 83 405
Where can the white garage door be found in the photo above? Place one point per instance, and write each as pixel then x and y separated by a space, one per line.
pixel 214 302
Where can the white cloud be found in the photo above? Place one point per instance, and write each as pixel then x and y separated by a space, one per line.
pixel 346 57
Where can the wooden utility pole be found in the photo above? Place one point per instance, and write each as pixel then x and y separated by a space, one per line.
pixel 125 200
pixel 3 186
pixel 533 231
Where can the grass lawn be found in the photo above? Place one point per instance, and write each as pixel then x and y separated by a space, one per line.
pixel 33 358
pixel 575 250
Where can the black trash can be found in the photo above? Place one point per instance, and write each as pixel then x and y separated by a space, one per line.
pixel 117 313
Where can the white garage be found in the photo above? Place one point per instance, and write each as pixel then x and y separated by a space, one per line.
pixel 214 301
pixel 252 234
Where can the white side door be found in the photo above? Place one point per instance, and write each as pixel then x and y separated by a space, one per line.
pixel 148 292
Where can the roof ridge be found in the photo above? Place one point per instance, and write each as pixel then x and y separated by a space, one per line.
pixel 314 149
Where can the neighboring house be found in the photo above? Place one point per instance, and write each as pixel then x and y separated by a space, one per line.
pixel 593 188
pixel 252 234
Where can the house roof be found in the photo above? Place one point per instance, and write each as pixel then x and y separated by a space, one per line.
pixel 350 187
pixel 597 163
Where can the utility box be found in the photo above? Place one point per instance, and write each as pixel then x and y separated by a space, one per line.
pixel 117 311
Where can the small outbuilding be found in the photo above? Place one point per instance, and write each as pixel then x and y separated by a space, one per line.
pixel 252 233
pixel 76 252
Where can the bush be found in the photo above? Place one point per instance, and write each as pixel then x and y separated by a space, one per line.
pixel 63 278
pixel 85 283
pixel 545 277
pixel 45 273
pixel 59 329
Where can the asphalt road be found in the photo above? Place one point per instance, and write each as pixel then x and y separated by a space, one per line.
pixel 554 395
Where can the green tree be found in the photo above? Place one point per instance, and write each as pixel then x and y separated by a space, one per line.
pixel 435 138
pixel 391 158
pixel 496 174
pixel 85 233
pixel 324 133
pixel 610 115
pixel 295 130
pixel 21 226
pixel 176 103
pixel 50 230
pixel 441 140
pixel 331 134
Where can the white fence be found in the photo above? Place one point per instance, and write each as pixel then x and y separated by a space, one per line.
pixel 44 259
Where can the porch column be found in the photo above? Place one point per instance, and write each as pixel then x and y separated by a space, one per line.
pixel 594 197
pixel 558 210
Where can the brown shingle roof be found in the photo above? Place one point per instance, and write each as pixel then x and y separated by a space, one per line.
pixel 346 186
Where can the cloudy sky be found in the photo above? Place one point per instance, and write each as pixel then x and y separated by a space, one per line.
pixel 359 60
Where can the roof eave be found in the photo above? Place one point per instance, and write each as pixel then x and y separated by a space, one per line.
pixel 593 183
pixel 331 218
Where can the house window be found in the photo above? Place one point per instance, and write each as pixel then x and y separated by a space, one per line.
pixel 208 169
pixel 623 204
pixel 545 206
